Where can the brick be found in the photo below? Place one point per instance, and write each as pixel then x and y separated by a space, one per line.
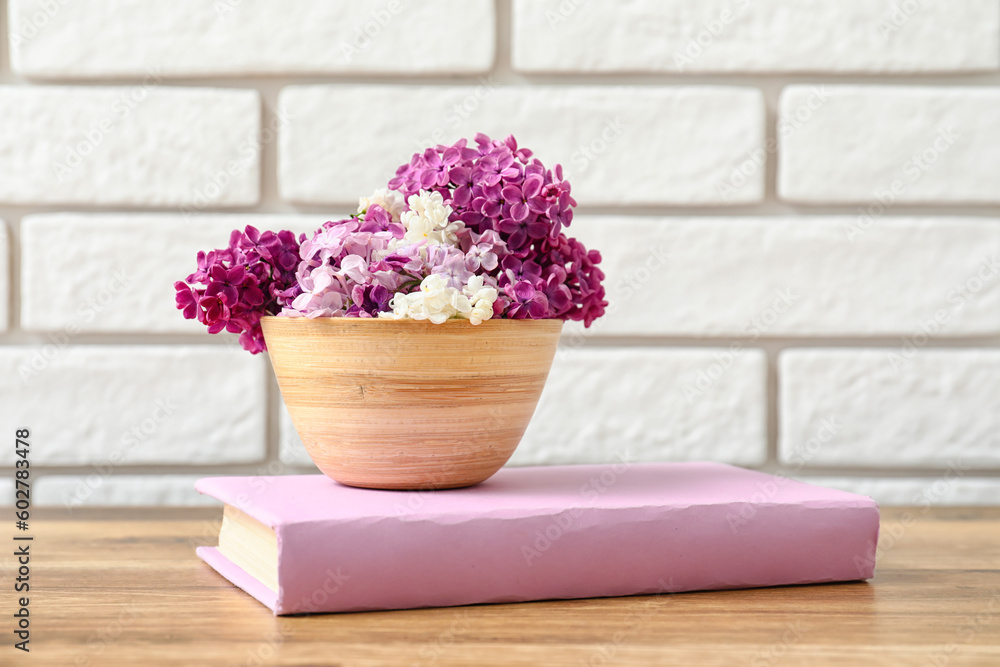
pixel 798 276
pixel 118 490
pixel 899 406
pixel 755 36
pixel 649 404
pixel 5 282
pixel 105 281
pixel 246 37
pixel 619 145
pixel 883 145
pixel 118 405
pixel 140 145
pixel 919 492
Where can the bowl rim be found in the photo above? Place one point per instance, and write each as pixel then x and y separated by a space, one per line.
pixel 548 323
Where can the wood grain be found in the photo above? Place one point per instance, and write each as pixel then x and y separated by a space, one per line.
pixel 125 588
pixel 405 404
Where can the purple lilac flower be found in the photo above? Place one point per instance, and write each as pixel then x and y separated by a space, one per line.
pixel 495 187
pixel 525 301
pixel 233 287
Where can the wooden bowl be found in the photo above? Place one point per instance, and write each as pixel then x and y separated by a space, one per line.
pixel 405 404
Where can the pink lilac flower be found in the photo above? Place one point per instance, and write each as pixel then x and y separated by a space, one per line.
pixel 187 301
pixel 351 268
pixel 482 251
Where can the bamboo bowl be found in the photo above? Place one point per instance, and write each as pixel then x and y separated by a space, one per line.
pixel 404 404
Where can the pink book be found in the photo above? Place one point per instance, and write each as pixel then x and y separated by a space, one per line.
pixel 304 544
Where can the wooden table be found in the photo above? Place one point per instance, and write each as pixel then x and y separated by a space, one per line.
pixel 124 587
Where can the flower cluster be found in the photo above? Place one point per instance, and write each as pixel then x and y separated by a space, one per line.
pixel 437 301
pixel 393 260
pixel 497 188
pixel 235 286
pixel 461 232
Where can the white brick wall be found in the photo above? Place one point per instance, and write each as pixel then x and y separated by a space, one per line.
pixel 889 144
pixel 755 36
pixel 241 37
pixel 115 405
pixel 796 276
pixel 896 406
pixel 140 145
pixel 647 404
pixel 291 450
pixel 950 488
pixel 797 203
pixel 627 145
pixel 98 489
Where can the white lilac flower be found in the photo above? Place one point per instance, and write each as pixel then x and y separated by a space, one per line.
pixel 390 200
pixel 428 220
pixel 437 301
pixel 481 299
pixel 433 301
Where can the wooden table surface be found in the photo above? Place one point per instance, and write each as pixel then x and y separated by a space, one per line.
pixel 113 587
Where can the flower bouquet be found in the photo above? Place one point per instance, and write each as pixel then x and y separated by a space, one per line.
pixel 449 285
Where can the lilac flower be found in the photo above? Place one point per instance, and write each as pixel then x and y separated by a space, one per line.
pixel 369 300
pixel 352 267
pixel 187 300
pixel 556 292
pixel 482 251
pixel 453 270
pixel 516 270
pixel 227 283
pixel 234 287
pixel 495 167
pixel 215 313
pixel 473 231
pixel 437 164
pixel 307 304
pixel 285 253
pixel 252 340
pixel 488 200
pixel 526 302
pixel 501 188
pixel 465 184
pixel 524 198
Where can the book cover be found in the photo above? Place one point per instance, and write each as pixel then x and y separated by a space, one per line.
pixel 306 544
